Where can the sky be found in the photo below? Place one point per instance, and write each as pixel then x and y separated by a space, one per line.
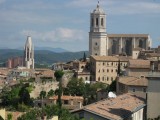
pixel 65 23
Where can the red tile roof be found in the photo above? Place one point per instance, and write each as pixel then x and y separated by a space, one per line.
pixel 116 108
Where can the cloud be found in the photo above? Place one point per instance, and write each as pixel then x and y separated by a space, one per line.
pixel 120 6
pixel 57 35
pixel 2 1
pixel 135 7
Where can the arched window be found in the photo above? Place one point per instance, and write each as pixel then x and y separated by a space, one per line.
pixel 102 22
pixel 96 21
pixel 96 43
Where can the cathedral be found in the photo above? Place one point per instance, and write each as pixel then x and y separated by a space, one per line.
pixel 29 54
pixel 103 44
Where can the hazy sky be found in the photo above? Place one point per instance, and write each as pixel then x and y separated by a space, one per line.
pixel 65 23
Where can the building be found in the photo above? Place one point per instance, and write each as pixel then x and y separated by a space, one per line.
pixel 153 95
pixel 60 66
pixel 104 68
pixel 123 107
pixel 29 54
pixel 69 102
pixel 81 70
pixel 103 44
pixel 15 62
pixel 134 85
pixel 138 67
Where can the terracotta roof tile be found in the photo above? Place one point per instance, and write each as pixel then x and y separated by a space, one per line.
pixel 64 97
pixel 133 81
pixel 116 108
pixel 110 58
pixel 139 63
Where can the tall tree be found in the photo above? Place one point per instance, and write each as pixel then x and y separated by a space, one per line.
pixel 84 57
pixel 58 74
pixel 24 96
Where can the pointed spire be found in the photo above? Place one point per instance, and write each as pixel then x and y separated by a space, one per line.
pixel 98 4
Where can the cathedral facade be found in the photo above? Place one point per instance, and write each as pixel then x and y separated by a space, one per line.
pixel 103 44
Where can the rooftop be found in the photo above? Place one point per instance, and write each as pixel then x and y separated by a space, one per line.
pixel 64 97
pixel 111 58
pixel 128 35
pixel 116 108
pixel 137 63
pixel 133 81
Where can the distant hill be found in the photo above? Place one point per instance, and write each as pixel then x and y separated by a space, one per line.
pixel 43 56
pixel 57 50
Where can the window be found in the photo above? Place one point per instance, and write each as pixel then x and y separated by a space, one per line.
pixel 96 43
pixel 95 53
pixel 107 70
pixel 111 70
pixel 96 21
pixel 98 78
pixel 103 63
pixel 134 90
pixel 107 78
pixel 103 70
pixel 144 89
pixel 111 78
pixel 86 78
pixel 112 63
pixel 65 101
pixel 102 22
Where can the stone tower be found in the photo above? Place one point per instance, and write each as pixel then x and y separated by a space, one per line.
pixel 29 54
pixel 97 34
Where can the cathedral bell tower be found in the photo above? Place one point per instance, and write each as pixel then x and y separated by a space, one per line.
pixel 29 54
pixel 97 34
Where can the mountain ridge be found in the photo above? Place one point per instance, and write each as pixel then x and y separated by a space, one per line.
pixel 43 56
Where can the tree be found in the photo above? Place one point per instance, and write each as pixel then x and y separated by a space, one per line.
pixel 50 93
pixel 112 86
pixel 42 94
pixel 24 96
pixel 9 116
pixel 84 57
pixel 76 87
pixel 34 114
pixel 58 74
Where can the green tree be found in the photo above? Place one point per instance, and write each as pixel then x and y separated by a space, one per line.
pixel 24 96
pixel 9 116
pixel 58 74
pixel 112 86
pixel 42 94
pixel 50 93
pixel 33 114
pixel 76 87
pixel 84 57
